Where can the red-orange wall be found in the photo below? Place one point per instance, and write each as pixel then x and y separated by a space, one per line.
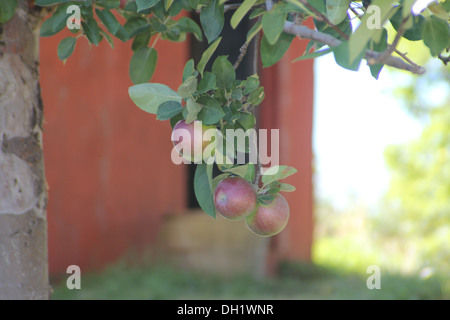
pixel 108 164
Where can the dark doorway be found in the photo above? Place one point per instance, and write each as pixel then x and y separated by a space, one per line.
pixel 232 41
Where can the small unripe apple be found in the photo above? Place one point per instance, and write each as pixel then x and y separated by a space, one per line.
pixel 268 220
pixel 192 148
pixel 234 198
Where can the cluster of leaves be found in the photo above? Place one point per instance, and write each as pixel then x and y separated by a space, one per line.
pixel 219 100
pixel 144 19
pixel 138 21
pixel 430 26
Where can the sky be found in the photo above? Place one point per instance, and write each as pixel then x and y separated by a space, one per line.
pixel 355 118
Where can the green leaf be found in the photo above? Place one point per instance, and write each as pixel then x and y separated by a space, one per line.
pixel 207 55
pixel 265 199
pixel 273 24
pixel 92 30
pixel 55 23
pixel 246 171
pixel 247 120
pixel 66 47
pixel 273 188
pixel 167 4
pixel 256 13
pixel 251 84
pixel 141 39
pixel 407 5
pixel 446 5
pixel 188 25
pixel 149 96
pixel 436 35
pixel 207 83
pixel 142 65
pixel 212 19
pixel 358 41
pixel 122 34
pixel 236 94
pixel 415 32
pixel 276 173
pixel 286 187
pixel 337 10
pixel 313 55
pixel 130 6
pixel 345 26
pixel 379 46
pixel 193 108
pixel 342 57
pixel 157 24
pixel 319 5
pixel 257 26
pixel 271 54
pixel 108 38
pixel 108 19
pixel 256 97
pixel 108 4
pixel 228 117
pixel 135 25
pixel 225 73
pixel 174 120
pixel 177 6
pixel 7 10
pixel 168 109
pixel 241 12
pixel 438 11
pixel 212 111
pixel 188 69
pixel 188 87
pixel 48 2
pixel 203 188
pixel 145 4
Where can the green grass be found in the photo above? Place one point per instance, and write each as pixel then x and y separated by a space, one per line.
pixel 344 246
pixel 295 281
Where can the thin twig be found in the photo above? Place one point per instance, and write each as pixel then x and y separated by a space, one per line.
pixel 231 6
pixel 400 32
pixel 403 55
pixel 307 33
pixel 323 18
pixel 243 51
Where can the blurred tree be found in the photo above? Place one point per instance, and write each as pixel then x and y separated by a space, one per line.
pixel 419 194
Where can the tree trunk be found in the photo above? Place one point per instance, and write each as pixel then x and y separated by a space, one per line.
pixel 23 195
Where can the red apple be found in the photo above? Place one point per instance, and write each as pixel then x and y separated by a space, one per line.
pixel 234 198
pixel 193 147
pixel 268 220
